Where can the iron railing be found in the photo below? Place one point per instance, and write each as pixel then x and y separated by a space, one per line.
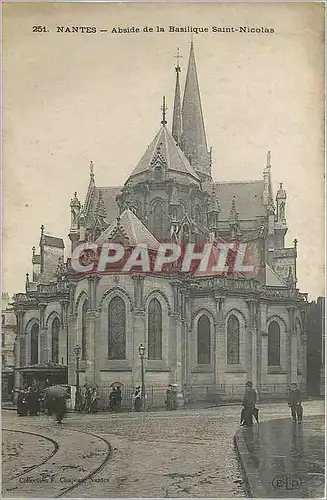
pixel 218 394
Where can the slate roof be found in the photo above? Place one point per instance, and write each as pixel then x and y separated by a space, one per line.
pixel 52 241
pixel 248 197
pixel 170 152
pixel 134 229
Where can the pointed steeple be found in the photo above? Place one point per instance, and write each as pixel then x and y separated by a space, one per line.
pixel 177 115
pixel 268 198
pixel 193 139
pixel 234 222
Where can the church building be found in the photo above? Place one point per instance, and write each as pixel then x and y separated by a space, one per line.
pixel 212 332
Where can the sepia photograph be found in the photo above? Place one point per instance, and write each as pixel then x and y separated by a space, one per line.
pixel 163 285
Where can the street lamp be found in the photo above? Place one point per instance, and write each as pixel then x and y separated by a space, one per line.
pixel 77 352
pixel 142 354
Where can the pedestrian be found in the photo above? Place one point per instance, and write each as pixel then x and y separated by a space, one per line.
pixel 249 401
pixel 22 405
pixel 113 399
pixel 94 401
pixel 186 395
pixel 118 398
pixel 168 397
pixel 174 397
pixel 137 399
pixel 87 399
pixel 294 403
pixel 59 408
pixel 33 401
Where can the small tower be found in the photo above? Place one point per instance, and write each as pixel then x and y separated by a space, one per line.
pixel 42 249
pixel 268 200
pixel 213 215
pixel 234 223
pixel 280 219
pixel 75 207
pixel 82 224
pixel 36 263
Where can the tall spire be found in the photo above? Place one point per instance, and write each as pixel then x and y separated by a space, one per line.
pixel 193 140
pixel 177 115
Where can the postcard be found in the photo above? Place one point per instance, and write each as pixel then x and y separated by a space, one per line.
pixel 163 250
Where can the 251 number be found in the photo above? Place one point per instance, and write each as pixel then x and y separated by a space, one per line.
pixel 39 29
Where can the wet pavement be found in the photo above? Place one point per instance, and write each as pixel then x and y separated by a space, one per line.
pixel 283 459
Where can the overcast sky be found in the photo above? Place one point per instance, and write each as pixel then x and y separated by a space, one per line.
pixel 71 98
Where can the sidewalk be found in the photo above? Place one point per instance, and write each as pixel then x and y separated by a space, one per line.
pixel 282 459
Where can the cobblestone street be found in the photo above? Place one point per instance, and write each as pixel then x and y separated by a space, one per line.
pixel 183 453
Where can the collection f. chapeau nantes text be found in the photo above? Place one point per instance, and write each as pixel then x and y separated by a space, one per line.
pixel 119 30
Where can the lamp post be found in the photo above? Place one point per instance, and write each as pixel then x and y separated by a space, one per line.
pixel 77 352
pixel 142 353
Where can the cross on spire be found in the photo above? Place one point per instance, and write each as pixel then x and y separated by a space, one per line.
pixel 178 57
pixel 164 109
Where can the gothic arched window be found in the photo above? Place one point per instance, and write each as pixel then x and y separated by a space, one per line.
pixel 154 330
pixel 198 215
pixel 204 341
pixel 55 341
pixel 233 340
pixel 84 329
pixel 35 344
pixel 158 223
pixel 117 329
pixel 273 344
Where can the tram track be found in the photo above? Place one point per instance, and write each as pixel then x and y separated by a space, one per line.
pixel 43 462
pixel 95 471
pixel 78 482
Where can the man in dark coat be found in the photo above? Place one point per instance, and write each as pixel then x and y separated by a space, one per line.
pixel 249 401
pixel 59 408
pixel 22 407
pixel 33 401
pixel 118 397
pixel 294 403
pixel 113 399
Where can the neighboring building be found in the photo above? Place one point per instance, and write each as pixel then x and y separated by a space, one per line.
pixel 210 333
pixel 8 339
pixel 315 328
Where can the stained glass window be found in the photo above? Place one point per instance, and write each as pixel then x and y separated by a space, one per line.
pixel 84 329
pixel 117 329
pixel 233 340
pixel 157 211
pixel 55 341
pixel 204 341
pixel 34 345
pixel 273 344
pixel 154 330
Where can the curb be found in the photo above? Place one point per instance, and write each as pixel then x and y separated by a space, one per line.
pixel 250 471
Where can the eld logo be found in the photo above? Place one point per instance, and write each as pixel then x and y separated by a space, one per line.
pixel 286 483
